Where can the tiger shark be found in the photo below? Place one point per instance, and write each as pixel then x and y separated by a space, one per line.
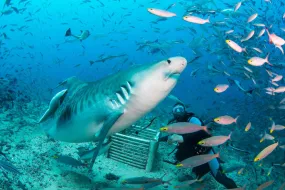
pixel 91 111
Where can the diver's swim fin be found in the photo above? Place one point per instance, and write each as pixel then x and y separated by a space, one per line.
pixel 103 133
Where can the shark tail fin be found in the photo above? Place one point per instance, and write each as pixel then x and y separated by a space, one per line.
pixel 68 32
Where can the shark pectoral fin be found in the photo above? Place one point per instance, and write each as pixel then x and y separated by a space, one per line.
pixel 108 123
pixel 55 102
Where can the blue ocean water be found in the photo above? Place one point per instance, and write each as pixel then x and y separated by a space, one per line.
pixel 36 56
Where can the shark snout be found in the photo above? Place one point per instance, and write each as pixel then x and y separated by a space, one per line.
pixel 178 64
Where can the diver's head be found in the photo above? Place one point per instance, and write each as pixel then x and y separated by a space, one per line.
pixel 179 111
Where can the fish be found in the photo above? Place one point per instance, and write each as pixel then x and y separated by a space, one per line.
pixel 183 128
pixel 83 36
pixel 4 165
pixel 277 128
pixel 257 61
pixel 226 120
pixel 67 160
pixel 265 152
pixel 280 89
pixel 265 185
pixel 248 126
pixel 235 46
pixel 91 111
pixel 266 137
pixel 232 169
pixel 276 40
pixel 161 13
pixel 221 88
pixel 237 6
pixel 248 36
pixel 252 18
pixel 257 49
pixel 229 31
pixel 196 20
pixel 214 141
pixel 139 180
pixel 261 33
pixel 198 160
pixel 277 78
pixel 240 171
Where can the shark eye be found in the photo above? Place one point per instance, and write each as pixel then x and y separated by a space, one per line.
pixel 168 61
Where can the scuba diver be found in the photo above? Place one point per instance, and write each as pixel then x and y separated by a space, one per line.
pixel 188 147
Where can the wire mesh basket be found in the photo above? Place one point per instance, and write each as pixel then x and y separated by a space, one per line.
pixel 135 147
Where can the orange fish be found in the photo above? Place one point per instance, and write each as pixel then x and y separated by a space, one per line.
pixel 265 152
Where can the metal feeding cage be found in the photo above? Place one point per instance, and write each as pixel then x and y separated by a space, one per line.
pixel 135 146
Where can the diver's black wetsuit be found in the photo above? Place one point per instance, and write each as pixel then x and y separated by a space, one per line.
pixel 190 148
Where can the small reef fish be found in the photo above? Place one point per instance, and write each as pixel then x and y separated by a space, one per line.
pixel 237 6
pixel 257 61
pixel 248 126
pixel 140 180
pixel 235 46
pixel 265 152
pixel 183 128
pixel 196 20
pixel 252 18
pixel 240 171
pixel 248 36
pixel 198 160
pixel 226 120
pixel 214 141
pixel 161 13
pixel 266 137
pixel 221 88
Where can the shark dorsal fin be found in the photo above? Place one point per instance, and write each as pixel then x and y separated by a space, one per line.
pixel 72 84
pixel 55 102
